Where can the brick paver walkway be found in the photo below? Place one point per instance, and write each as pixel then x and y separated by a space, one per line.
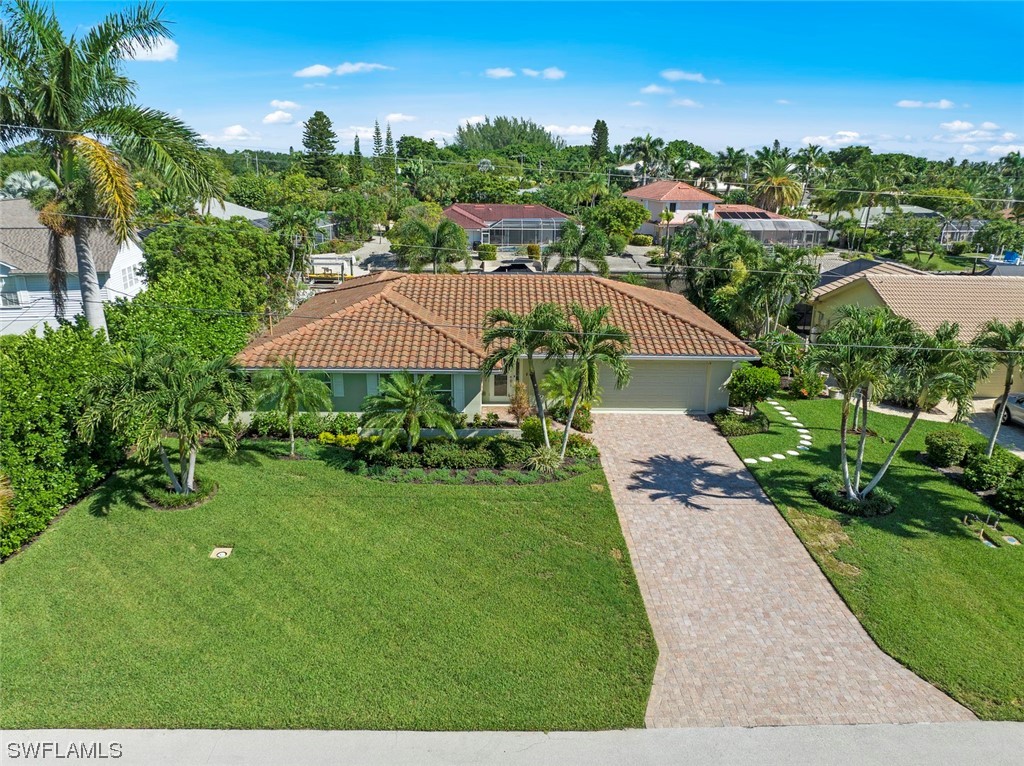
pixel 750 632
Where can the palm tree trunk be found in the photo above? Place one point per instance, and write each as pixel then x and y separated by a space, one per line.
pixel 1002 409
pixel 863 439
pixel 183 465
pixel 540 403
pixel 190 480
pixel 572 414
pixel 291 434
pixel 892 454
pixel 88 280
pixel 864 236
pixel 175 484
pixel 844 422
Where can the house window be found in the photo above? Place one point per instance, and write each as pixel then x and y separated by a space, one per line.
pixel 8 299
pixel 704 207
pixel 129 278
pixel 672 207
pixel 338 385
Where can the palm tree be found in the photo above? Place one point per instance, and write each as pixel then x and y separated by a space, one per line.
pixel 873 187
pixel 646 150
pixel 783 278
pixel 578 245
pixel 296 226
pixel 23 184
pixel 149 393
pixel 405 403
pixel 775 186
pixel 287 390
pixel 1008 340
pixel 810 160
pixel 591 343
pixel 440 244
pixel 70 95
pixel 508 337
pixel 666 217
pixel 730 164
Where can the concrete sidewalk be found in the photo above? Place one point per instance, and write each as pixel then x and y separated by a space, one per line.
pixel 992 744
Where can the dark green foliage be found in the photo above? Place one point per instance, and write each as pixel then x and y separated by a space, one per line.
pixel 506 133
pixel 581 448
pixel 319 140
pixel 164 497
pixel 253 191
pixel 532 431
pixel 461 454
pixel 827 489
pixel 42 390
pixel 1009 498
pixel 599 141
pixel 945 448
pixel 308 425
pixel 641 240
pixel 355 162
pixel 617 215
pixel 487 252
pixel 734 424
pixel 411 147
pixel 749 385
pixel 983 473
pixel 582 421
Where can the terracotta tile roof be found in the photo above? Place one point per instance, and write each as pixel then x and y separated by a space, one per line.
pixel 391 321
pixel 745 209
pixel 879 268
pixel 671 191
pixel 472 216
pixel 969 301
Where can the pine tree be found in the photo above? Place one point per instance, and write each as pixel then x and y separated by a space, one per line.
pixel 378 149
pixel 389 155
pixel 319 140
pixel 355 163
pixel 599 141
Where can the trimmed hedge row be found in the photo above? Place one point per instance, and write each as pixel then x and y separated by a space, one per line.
pixel 734 424
pixel 308 425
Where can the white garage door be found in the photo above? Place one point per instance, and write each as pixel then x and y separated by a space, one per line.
pixel 669 385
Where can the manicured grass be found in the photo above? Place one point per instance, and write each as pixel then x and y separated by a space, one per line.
pixel 926 589
pixel 348 603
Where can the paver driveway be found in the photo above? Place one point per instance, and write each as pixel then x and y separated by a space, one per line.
pixel 750 632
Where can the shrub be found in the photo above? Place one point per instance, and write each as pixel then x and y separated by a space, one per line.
pixel 456 455
pixel 459 419
pixel 519 403
pixel 544 459
pixel 346 423
pixel 982 473
pixel 828 490
pixel 308 425
pixel 641 240
pixel 807 382
pixel 492 420
pixel 532 430
pixel 582 421
pixel 581 448
pixel 487 252
pixel 325 438
pixel 749 385
pixel 733 424
pixel 1009 498
pixel 533 250
pixel 166 497
pixel 945 448
pixel 617 244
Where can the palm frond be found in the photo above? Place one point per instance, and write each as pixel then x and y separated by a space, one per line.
pixel 111 182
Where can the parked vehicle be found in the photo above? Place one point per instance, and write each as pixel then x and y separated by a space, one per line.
pixel 1014 410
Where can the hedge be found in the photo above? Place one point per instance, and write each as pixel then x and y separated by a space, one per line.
pixel 734 424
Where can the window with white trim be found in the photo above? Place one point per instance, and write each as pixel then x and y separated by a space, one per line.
pixel 338 385
pixel 129 278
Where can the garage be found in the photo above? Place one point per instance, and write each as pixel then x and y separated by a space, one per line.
pixel 669 385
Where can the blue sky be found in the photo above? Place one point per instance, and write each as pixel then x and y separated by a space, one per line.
pixel 926 78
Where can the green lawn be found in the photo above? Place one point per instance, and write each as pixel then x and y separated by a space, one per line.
pixel 348 603
pixel 931 594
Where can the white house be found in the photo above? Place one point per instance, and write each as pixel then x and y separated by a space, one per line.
pixel 681 199
pixel 25 300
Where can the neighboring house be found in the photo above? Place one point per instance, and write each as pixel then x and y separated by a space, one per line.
pixel 772 228
pixel 507 225
pixel 227 210
pixel 681 199
pixel 431 323
pixel 25 300
pixel 876 213
pixel 928 300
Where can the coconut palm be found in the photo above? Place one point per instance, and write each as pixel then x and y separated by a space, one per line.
pixel 873 186
pixel 286 389
pixel 774 185
pixel 645 150
pixel 1006 338
pixel 509 337
pixel 577 246
pixel 441 244
pixel 810 160
pixel 731 164
pixel 590 343
pixel 406 403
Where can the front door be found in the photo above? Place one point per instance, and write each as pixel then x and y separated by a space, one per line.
pixel 498 388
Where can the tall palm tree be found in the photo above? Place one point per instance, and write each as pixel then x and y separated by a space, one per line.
pixel 509 337
pixel 286 389
pixel 774 186
pixel 440 244
pixel 646 150
pixel 577 246
pixel 407 404
pixel 71 96
pixel 666 217
pixel 1007 338
pixel 782 279
pixel 731 164
pixel 590 343
pixel 873 187
pixel 810 160
pixel 296 225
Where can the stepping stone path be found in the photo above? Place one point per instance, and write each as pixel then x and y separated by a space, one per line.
pixel 791 420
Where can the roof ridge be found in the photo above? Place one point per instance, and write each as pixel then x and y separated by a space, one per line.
pixel 717 330
pixel 434 322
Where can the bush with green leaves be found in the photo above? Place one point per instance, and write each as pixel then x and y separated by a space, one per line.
pixel 749 385
pixel 945 448
pixel 533 431
pixel 733 424
pixel 308 425
pixel 581 448
pixel 827 489
pixel 641 240
pixel 487 252
pixel 582 421
pixel 43 380
pixel 983 473
pixel 1009 498
pixel 544 460
pixel 807 382
pixel 533 250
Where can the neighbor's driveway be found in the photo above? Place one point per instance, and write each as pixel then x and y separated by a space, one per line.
pixel 750 633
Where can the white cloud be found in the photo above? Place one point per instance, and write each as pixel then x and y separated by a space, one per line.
pixel 654 89
pixel 968 149
pixel 232 134
pixel 783 101
pixel 988 126
pixel 839 138
pixel 687 102
pixel 284 104
pixel 971 136
pixel 552 73
pixel 569 130
pixel 998 150
pixel 399 117
pixel 356 130
pixel 280 117
pixel 531 72
pixel 316 70
pixel 676 75
pixel 499 73
pixel 359 67
pixel 637 103
pixel 942 103
pixel 163 49
pixel 956 125
pixel 476 118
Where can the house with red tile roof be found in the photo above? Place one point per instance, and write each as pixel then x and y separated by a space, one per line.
pixel 507 225
pixel 681 199
pixel 371 326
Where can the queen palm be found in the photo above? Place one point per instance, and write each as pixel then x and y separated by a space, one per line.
pixel 70 95
pixel 1007 339
pixel 440 244
pixel 590 343
pixel 645 149
pixel 810 160
pixel 509 337
pixel 731 163
pixel 286 389
pixel 406 403
pixel 577 246
pixel 774 186
pixel 873 186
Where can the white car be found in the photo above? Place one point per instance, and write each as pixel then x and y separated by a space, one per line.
pixel 1014 409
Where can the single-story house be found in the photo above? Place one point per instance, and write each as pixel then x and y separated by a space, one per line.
pixel 681 199
pixel 507 225
pixel 432 323
pixel 25 300
pixel 928 300
pixel 226 210
pixel 874 215
pixel 772 228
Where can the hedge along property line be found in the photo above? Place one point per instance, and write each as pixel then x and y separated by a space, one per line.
pixel 791 420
